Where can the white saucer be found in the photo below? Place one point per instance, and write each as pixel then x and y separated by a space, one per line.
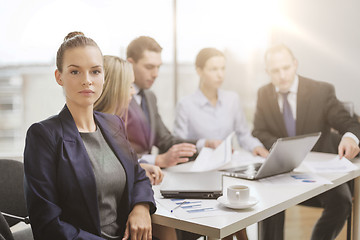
pixel 241 205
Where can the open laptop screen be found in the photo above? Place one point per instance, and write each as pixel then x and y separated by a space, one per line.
pixel 285 155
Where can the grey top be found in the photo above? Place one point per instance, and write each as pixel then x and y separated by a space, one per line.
pixel 110 181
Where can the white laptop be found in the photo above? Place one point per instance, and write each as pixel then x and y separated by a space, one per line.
pixel 192 185
pixel 285 155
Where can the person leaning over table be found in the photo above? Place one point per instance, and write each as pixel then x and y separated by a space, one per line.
pixel 293 105
pixel 82 179
pixel 115 98
pixel 213 113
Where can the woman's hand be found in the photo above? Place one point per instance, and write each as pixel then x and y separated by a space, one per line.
pixel 260 151
pixel 153 172
pixel 212 143
pixel 138 224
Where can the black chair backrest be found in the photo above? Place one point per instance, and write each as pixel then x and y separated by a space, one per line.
pixel 5 233
pixel 12 198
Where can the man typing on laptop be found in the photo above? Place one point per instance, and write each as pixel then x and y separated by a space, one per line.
pixel 293 105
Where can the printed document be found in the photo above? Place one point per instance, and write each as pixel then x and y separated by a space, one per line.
pixel 193 208
pixel 334 165
pixel 212 159
pixel 293 178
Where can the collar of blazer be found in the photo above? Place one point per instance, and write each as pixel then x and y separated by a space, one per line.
pixel 271 98
pixel 139 117
pixel 112 129
pixel 153 113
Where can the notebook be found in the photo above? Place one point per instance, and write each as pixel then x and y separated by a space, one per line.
pixel 192 185
pixel 285 155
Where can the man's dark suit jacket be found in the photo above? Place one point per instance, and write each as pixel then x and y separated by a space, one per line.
pixel 59 180
pixel 318 110
pixel 160 136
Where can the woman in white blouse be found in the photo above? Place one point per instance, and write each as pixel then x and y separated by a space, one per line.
pixel 213 113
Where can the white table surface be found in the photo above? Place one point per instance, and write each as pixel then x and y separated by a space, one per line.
pixel 272 199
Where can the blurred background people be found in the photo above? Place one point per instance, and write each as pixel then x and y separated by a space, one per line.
pixel 213 113
pixel 293 105
pixel 145 126
pixel 116 96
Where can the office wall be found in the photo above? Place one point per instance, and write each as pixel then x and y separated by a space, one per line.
pixel 325 38
pixel 323 35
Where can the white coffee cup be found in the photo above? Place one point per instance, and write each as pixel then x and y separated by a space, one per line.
pixel 238 193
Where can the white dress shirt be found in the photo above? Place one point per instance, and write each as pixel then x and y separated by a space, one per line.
pixel 292 96
pixel 196 118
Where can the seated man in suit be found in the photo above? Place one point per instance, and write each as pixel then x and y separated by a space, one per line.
pixel 145 126
pixel 293 105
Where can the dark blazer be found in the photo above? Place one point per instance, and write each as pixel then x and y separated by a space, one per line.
pixel 318 110
pixel 137 126
pixel 60 185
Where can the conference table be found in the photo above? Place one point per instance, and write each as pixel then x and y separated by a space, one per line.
pixel 272 199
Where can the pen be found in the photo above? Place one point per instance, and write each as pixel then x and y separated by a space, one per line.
pixel 172 210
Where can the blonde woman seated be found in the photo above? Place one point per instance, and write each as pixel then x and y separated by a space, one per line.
pixel 213 113
pixel 115 99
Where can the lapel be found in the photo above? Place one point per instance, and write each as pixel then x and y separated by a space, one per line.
pixel 140 118
pixel 152 115
pixel 302 105
pixel 80 162
pixel 275 110
pixel 116 139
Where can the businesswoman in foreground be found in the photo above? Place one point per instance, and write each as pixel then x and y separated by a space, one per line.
pixel 82 179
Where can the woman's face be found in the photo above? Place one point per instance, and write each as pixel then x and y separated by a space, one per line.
pixel 82 76
pixel 212 74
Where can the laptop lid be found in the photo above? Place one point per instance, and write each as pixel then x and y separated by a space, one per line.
pixel 192 185
pixel 285 155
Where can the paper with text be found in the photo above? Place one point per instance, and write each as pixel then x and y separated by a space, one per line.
pixel 334 165
pixel 193 208
pixel 213 159
pixel 296 179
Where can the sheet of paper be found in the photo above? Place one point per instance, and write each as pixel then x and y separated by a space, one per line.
pixel 296 179
pixel 210 159
pixel 334 165
pixel 193 208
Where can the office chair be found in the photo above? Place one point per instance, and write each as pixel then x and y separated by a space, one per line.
pixel 5 233
pixel 12 201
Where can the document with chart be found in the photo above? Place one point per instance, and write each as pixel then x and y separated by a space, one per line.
pixel 212 159
pixel 193 208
